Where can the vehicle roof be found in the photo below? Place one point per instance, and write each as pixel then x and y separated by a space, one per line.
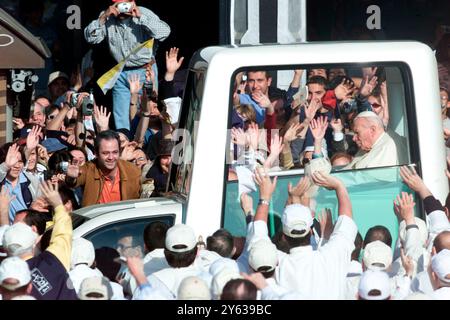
pixel 383 48
pixel 100 209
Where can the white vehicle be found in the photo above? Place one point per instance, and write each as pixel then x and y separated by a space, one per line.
pixel 203 196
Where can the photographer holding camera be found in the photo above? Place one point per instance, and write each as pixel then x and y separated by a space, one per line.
pixel 125 26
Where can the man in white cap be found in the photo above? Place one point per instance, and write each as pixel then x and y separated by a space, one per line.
pixel 374 285
pixel 376 147
pixel 82 260
pixel 438 225
pixel 180 252
pixel 95 288
pixel 58 84
pixel 15 278
pixel 316 274
pixel 193 288
pixel 440 275
pixel 49 268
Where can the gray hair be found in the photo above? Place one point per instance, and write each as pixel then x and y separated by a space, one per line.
pixel 371 117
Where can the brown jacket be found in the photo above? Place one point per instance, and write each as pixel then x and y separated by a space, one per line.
pixel 90 178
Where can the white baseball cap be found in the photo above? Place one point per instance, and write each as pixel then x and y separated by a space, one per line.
pixel 423 231
pixel 221 279
pixel 16 269
pixel 377 255
pixel 82 252
pixel 193 288
pixel 297 220
pixel 263 253
pixel 95 288
pixel 440 264
pixel 374 285
pixel 18 238
pixel 180 238
pixel 55 75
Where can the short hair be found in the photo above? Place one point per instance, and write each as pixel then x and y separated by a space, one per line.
pixel 81 150
pixel 106 263
pixel 67 194
pixel 268 76
pixel 106 135
pixel 378 233
pixel 239 289
pixel 318 80
pixel 221 242
pixel 50 109
pixel 442 241
pixel 180 259
pixel 247 111
pixel 358 246
pixel 155 235
pixel 339 155
pixel 35 218
pixel 298 242
pixel 280 241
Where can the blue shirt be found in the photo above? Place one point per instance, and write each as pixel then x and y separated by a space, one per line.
pixel 18 203
pixel 260 112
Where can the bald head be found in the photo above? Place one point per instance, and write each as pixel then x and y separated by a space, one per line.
pixel 442 241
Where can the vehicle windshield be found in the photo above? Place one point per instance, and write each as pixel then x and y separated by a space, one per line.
pixel 353 121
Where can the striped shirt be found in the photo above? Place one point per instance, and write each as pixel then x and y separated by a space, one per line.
pixel 125 35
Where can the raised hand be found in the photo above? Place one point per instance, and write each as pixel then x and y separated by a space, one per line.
pixel 318 128
pixel 42 153
pixel 369 85
pixel 344 89
pixel 253 135
pixel 135 83
pixel 18 123
pixel 5 197
pixel 326 180
pixel 261 99
pixel 257 279
pixel 101 116
pixel 172 62
pixel 276 146
pixel 238 136
pixel 412 179
pixel 33 138
pixel 293 132
pixel 266 186
pixel 13 156
pixel 336 125
pixel 128 151
pixel 312 107
pixel 51 194
pixel 299 190
pixel 404 207
pixel 326 223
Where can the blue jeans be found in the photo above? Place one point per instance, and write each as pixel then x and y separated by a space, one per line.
pixel 121 96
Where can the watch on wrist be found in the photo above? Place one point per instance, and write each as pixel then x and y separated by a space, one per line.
pixel 263 201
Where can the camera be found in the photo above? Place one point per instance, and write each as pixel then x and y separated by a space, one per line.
pixel 62 166
pixel 87 104
pixel 124 7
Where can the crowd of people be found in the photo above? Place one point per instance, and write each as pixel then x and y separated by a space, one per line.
pixel 66 156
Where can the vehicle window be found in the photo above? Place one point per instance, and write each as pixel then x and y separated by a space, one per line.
pixel 186 134
pixel 125 234
pixel 339 113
